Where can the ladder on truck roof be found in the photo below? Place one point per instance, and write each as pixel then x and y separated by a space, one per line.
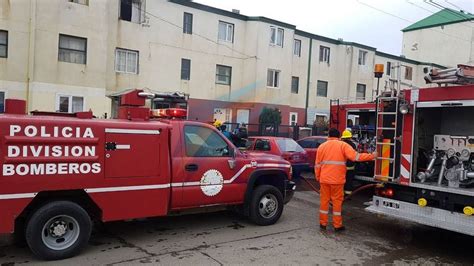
pixel 386 138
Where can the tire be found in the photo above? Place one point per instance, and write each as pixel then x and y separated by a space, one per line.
pixel 58 230
pixel 266 205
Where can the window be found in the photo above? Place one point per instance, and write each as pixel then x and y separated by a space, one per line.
pixel 288 145
pixel 82 2
pixel 262 145
pixel 126 61
pixel 3 43
pixel 408 73
pixel 362 57
pixel 276 36
pixel 188 23
pixel 2 101
pixel 360 91
pixel 204 142
pixel 389 68
pixel 293 118
pixel 324 54
pixel 226 31
pixel 320 119
pixel 223 74
pixel 69 104
pixel 322 88
pixel 311 143
pixel 132 10
pixel 295 84
pixel 72 49
pixel 185 69
pixel 273 78
pixel 297 48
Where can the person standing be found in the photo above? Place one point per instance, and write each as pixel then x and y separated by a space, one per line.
pixel 350 165
pixel 330 172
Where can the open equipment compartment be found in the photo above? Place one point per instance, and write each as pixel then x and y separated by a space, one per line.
pixel 443 148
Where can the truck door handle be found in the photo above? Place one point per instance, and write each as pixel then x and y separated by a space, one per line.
pixel 191 167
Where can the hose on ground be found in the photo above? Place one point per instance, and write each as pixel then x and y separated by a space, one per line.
pixel 315 189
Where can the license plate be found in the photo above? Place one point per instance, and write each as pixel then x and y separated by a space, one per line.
pixel 391 204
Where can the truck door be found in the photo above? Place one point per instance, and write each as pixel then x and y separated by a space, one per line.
pixel 210 171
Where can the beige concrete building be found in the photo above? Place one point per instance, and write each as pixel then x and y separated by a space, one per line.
pixel 67 55
pixel 446 38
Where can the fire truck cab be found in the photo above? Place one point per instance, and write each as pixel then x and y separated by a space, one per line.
pixel 60 172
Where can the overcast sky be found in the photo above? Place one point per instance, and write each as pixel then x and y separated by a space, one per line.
pixel 376 23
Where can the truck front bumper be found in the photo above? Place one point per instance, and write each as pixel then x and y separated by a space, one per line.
pixel 423 215
pixel 290 188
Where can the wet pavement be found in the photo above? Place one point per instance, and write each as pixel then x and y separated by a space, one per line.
pixel 227 238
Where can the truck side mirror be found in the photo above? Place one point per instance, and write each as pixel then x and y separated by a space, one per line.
pixel 231 152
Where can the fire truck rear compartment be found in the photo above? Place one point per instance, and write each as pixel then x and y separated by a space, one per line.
pixel 443 154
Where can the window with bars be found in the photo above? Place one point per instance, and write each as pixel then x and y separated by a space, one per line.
pixel 3 43
pixel 188 23
pixel 126 61
pixel 223 74
pixel 295 84
pixel 185 69
pixel 324 54
pixel 69 104
pixel 273 78
pixel 297 48
pixel 226 31
pixel 72 49
pixel 360 91
pixel 322 88
pixel 276 36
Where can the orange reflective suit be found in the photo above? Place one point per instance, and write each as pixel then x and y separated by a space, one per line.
pixel 330 171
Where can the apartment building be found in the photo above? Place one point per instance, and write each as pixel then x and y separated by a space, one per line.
pixel 446 38
pixel 68 55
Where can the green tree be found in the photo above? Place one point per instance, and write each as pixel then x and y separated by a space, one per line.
pixel 270 116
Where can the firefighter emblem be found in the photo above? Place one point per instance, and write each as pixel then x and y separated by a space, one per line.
pixel 212 182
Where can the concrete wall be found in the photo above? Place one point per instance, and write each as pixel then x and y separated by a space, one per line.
pixel 447 45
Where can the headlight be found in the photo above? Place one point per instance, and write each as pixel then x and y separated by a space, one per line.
pixel 404 109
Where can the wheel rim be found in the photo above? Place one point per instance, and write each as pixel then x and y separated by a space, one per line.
pixel 60 232
pixel 268 206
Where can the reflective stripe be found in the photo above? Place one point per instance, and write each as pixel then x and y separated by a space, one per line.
pixel 323 212
pixel 357 156
pixel 333 162
pixel 336 213
pixel 351 168
pixel 317 165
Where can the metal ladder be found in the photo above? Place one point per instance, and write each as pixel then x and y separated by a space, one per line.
pixel 382 115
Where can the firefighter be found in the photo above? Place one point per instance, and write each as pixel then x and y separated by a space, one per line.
pixel 330 171
pixel 350 165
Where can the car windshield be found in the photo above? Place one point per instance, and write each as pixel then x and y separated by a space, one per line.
pixel 288 145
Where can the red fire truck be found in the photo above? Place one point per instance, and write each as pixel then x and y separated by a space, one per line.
pixel 425 144
pixel 60 172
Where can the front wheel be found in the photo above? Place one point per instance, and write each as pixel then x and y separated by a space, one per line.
pixel 58 230
pixel 266 205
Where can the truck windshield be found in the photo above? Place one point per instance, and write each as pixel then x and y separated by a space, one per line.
pixel 288 145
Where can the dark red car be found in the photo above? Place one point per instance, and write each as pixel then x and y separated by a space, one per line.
pixel 310 145
pixel 287 148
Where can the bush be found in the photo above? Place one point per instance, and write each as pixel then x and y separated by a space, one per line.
pixel 270 116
